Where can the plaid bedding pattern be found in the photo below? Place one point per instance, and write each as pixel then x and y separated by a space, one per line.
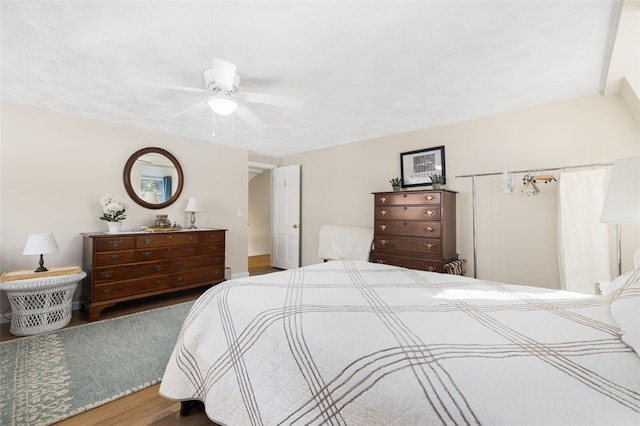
pixel 357 343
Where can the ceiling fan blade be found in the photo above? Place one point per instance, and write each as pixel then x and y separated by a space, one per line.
pixel 169 86
pixel 250 118
pixel 283 101
pixel 224 73
pixel 199 106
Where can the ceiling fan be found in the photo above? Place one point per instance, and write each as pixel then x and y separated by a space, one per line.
pixel 223 97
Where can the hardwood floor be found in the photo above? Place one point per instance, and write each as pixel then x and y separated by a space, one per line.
pixel 145 407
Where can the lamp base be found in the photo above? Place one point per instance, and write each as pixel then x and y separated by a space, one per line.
pixel 193 221
pixel 41 268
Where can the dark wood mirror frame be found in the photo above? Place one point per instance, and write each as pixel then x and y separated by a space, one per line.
pixel 132 192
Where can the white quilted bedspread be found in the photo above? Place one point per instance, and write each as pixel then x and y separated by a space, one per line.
pixel 357 343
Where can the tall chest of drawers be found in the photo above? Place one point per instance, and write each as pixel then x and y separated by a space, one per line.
pixel 415 229
pixel 129 266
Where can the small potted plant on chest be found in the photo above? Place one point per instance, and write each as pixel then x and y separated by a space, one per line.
pixel 395 184
pixel 437 181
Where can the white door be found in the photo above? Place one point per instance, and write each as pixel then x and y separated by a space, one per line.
pixel 285 202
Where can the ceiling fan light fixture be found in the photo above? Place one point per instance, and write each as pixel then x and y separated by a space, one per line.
pixel 222 104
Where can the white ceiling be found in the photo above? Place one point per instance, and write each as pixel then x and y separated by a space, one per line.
pixel 364 69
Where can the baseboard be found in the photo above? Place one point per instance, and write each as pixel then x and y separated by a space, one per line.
pixel 260 261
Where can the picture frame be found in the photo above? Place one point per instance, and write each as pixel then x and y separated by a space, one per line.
pixel 419 166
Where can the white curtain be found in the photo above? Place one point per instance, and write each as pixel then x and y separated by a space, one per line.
pixel 583 243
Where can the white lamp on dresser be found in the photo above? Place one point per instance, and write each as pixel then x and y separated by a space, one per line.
pixel 192 206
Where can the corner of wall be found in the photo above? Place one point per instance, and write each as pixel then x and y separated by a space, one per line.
pixel 630 94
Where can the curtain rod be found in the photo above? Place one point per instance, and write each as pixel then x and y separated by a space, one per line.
pixel 538 170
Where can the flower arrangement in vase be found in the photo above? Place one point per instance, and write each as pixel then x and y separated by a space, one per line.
pixel 113 212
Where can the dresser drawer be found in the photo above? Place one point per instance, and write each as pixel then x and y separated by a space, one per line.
pixel 415 228
pixel 193 262
pixel 181 251
pixel 407 198
pixel 129 271
pixel 407 213
pixel 113 243
pixel 430 246
pixel 409 262
pixel 127 288
pixel 114 257
pixel 210 275
pixel 212 248
pixel 163 240
pixel 152 254
pixel 212 237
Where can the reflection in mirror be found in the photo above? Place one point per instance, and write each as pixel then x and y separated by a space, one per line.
pixel 153 178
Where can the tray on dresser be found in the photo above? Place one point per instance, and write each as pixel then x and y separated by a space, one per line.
pixel 151 229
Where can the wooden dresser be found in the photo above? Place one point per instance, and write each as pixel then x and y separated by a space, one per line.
pixel 128 266
pixel 415 229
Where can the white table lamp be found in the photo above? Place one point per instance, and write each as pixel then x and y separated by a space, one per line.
pixel 151 197
pixel 40 244
pixel 192 206
pixel 622 202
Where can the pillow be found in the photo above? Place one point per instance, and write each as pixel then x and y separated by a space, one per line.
pixel 625 307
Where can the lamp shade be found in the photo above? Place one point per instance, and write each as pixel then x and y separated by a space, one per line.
pixel 222 104
pixel 622 202
pixel 151 197
pixel 192 205
pixel 40 244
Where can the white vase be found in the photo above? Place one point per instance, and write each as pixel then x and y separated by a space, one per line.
pixel 114 227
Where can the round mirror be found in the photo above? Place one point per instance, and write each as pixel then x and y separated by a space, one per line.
pixel 153 178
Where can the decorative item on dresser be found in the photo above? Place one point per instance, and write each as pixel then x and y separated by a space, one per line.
pixel 415 229
pixel 135 265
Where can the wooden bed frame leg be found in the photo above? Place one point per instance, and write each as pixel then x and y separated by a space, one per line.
pixel 186 406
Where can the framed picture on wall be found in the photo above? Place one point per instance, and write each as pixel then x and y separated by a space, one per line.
pixel 419 167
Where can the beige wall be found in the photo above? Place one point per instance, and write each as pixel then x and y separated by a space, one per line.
pixel 516 234
pixel 260 214
pixel 55 167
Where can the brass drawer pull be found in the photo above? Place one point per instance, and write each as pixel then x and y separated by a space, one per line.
pixel 428 229
pixel 106 291
pixel 115 257
pixel 383 200
pixel 383 242
pixel 106 274
pixel 429 212
pixel 216 273
pixel 429 198
pixel 429 246
pixel 115 243
pixel 381 261
pixel 158 282
pixel 383 212
pixel 159 267
pixel 405 208
pixel 217 259
pixel 147 241
pixel 191 238
pixel 430 268
pixel 383 227
pixel 180 278
pixel 146 254
pixel 180 264
pixel 191 249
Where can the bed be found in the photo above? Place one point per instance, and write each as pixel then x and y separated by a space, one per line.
pixel 358 343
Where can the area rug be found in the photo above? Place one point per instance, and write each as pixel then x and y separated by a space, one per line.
pixel 50 377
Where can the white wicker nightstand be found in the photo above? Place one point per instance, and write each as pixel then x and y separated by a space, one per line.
pixel 42 304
